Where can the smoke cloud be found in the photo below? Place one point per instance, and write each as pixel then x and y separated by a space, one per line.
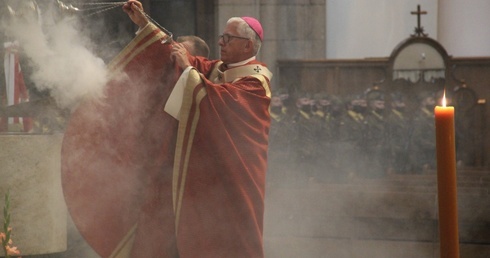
pixel 58 55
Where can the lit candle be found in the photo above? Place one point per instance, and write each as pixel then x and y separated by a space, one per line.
pixel 446 180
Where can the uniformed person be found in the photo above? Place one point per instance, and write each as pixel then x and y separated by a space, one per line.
pixel 321 113
pixel 305 133
pixel 423 139
pixel 329 110
pixel 398 128
pixel 280 152
pixel 376 137
pixel 352 135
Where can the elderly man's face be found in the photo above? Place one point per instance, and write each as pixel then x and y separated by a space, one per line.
pixel 237 49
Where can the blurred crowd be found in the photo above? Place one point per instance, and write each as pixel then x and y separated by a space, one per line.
pixel 323 137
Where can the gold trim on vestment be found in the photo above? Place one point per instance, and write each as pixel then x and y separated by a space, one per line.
pixel 185 139
pixel 215 73
pixel 180 173
pixel 123 249
pixel 235 73
pixel 265 84
pixel 132 49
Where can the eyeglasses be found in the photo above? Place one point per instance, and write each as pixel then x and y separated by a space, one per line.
pixel 227 37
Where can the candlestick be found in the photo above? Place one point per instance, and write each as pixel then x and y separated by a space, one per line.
pixel 446 181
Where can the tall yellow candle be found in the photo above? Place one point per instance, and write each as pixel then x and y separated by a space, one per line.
pixel 446 181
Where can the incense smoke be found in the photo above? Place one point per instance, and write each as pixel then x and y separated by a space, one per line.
pixel 59 56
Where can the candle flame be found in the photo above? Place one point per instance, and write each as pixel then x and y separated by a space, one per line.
pixel 444 99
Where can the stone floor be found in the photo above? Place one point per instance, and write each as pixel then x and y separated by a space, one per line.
pixel 394 217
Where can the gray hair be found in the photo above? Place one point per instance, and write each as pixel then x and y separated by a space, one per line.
pixel 244 30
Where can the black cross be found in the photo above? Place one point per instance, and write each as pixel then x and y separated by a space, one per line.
pixel 257 69
pixel 419 31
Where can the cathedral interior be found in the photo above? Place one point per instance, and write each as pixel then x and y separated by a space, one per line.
pixel 335 188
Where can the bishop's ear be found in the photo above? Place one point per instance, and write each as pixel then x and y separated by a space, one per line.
pixel 249 47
